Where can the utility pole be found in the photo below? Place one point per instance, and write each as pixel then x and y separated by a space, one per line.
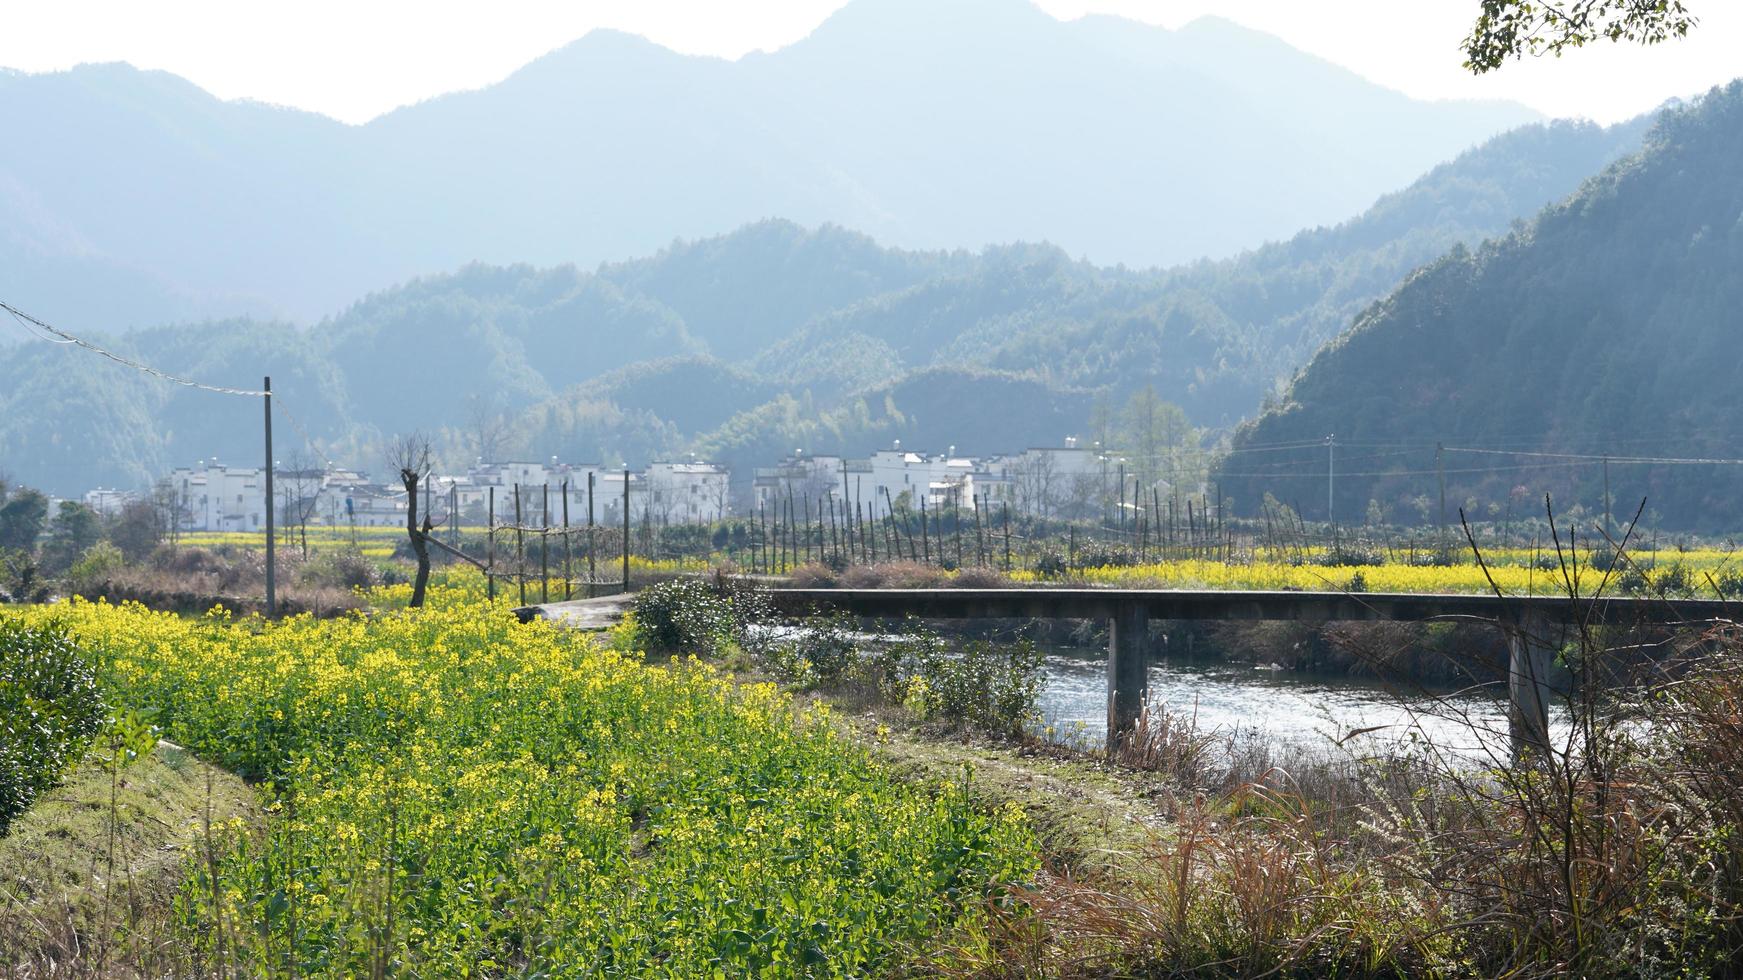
pixel 1331 442
pixel 1440 467
pixel 626 529
pixel 1607 528
pixel 1122 511
pixel 271 577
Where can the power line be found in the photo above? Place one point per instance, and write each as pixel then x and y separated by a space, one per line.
pixel 67 338
pixel 33 332
pixel 1305 474
pixel 1602 457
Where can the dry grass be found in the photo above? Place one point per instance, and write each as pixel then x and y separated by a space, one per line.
pixel 192 580
pixel 1613 852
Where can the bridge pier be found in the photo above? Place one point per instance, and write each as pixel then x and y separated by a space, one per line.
pixel 1128 670
pixel 1532 644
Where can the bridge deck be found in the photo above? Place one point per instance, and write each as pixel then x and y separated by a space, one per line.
pixel 1242 605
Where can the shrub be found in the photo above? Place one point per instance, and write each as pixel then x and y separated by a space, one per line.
pixel 19 578
pixel 820 654
pixel 1729 584
pixel 98 563
pixel 1050 565
pixel 813 575
pixel 980 578
pixel 686 615
pixel 50 709
pixel 1675 581
pixel 1348 555
pixel 1099 555
pixel 894 575
pixel 346 569
pixel 990 686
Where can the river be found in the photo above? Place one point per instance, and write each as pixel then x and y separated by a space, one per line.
pixel 1303 710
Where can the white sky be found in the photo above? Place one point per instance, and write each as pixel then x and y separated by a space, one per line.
pixel 354 59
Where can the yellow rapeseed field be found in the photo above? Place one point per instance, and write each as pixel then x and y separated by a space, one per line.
pixel 454 794
pixel 1513 572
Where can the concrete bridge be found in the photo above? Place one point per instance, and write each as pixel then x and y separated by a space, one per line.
pixel 1535 626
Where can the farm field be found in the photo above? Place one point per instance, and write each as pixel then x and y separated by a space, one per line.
pixel 1710 573
pixel 1691 572
pixel 450 793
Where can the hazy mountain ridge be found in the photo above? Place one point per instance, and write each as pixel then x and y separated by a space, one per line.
pixel 820 335
pixel 919 124
pixel 1607 325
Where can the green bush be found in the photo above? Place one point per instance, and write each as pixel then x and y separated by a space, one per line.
pixel 1051 565
pixel 50 709
pixel 992 687
pixel 95 566
pixel 980 686
pixel 820 654
pixel 688 615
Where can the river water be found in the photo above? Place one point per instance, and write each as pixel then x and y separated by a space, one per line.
pixel 1302 710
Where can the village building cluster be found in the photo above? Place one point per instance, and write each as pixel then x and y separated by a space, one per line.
pixel 216 496
pixel 1040 481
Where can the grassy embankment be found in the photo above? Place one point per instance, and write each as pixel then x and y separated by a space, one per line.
pixel 90 874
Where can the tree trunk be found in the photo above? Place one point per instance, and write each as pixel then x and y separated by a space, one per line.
pixel 420 547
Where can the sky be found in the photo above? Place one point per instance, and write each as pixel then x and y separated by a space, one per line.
pixel 355 59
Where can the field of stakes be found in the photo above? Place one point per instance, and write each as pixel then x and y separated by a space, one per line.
pixel 381 543
pixel 452 794
pixel 1708 572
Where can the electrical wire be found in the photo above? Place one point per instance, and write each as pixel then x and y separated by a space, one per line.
pixel 1597 458
pixel 68 338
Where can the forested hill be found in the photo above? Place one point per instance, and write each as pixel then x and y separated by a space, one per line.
pixel 747 345
pixel 1609 325
pixel 129 197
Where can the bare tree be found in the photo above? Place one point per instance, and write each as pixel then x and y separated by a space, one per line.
pixel 486 427
pixel 722 494
pixel 1033 480
pixel 1084 496
pixel 169 513
pixel 410 455
pixel 300 497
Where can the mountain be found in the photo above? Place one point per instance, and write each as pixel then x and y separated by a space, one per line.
pixel 775 336
pixel 134 197
pixel 1215 337
pixel 1607 326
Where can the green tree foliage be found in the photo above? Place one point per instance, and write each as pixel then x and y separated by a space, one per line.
pixel 1510 29
pixel 137 529
pixel 23 513
pixel 74 529
pixel 1606 326
pixel 1159 442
